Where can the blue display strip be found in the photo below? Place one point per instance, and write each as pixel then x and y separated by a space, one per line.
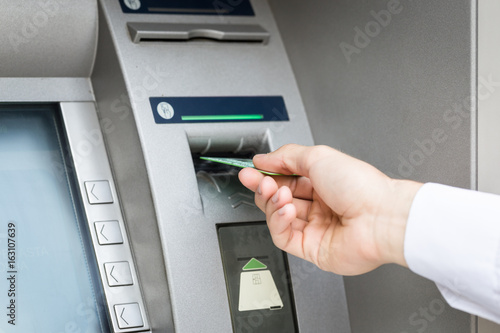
pixel 174 110
pixel 188 7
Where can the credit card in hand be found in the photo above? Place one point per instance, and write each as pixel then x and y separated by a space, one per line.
pixel 240 163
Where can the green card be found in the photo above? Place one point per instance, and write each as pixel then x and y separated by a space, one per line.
pixel 240 163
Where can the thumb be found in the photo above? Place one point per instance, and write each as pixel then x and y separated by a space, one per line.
pixel 291 159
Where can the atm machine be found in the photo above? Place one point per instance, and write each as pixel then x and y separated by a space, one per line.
pixel 111 222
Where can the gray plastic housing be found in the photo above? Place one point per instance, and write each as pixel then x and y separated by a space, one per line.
pixel 56 38
pixel 125 76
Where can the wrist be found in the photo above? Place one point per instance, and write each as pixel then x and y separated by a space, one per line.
pixel 394 218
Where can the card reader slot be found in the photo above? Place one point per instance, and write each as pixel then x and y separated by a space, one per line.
pixel 203 167
pixel 220 190
pixel 231 146
pixel 142 31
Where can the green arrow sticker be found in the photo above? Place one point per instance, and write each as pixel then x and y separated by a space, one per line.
pixel 254 264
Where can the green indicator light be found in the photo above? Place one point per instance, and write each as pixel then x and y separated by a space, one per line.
pixel 224 117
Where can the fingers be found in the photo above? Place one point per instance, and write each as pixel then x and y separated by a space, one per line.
pixel 296 225
pixel 287 217
pixel 319 222
pixel 284 160
pixel 286 230
pixel 275 202
pixel 250 178
pixel 266 190
pixel 301 186
pixel 283 197
pixel 265 187
pixel 303 208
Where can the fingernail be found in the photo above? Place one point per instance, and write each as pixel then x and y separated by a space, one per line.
pixel 276 197
pixel 259 155
pixel 259 190
pixel 282 211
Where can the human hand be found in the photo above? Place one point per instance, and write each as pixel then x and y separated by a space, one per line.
pixel 342 214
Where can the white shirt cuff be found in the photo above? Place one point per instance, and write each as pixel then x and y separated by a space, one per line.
pixel 453 238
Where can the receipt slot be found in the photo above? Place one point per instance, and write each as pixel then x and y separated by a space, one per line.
pixel 257 279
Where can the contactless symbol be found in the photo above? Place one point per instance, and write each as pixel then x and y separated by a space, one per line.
pixel 132 4
pixel 165 110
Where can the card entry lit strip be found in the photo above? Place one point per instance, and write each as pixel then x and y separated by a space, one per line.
pixel 187 10
pixel 224 117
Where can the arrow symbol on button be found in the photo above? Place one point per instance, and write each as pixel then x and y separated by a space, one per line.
pixel 92 192
pixel 111 274
pixel 121 315
pixel 102 229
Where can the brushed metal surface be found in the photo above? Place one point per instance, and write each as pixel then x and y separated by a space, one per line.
pixel 50 38
pixel 46 89
pixel 132 184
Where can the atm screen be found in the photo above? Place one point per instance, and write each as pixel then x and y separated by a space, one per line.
pixel 48 281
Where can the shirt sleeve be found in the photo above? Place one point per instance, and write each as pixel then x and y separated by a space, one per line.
pixel 453 238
